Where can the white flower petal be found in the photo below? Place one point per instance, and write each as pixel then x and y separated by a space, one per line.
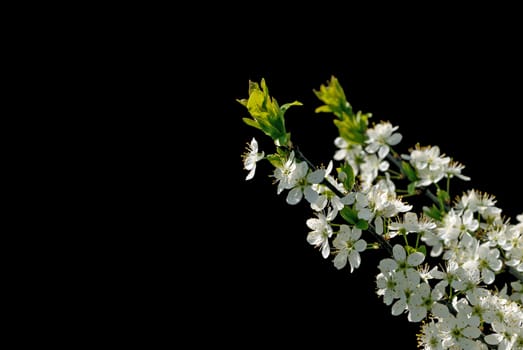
pixel 438 292
pixel 325 249
pixel 413 276
pixel 398 307
pixel 294 196
pixel 365 214
pixel 249 163
pixel 254 145
pixel 379 225
pixel 301 170
pixel 388 298
pixel 416 314
pixel 387 265
pixel 329 167
pixel 340 142
pixel 340 260
pixel 345 232
pixel 310 195
pixel 441 311
pixel 383 151
pixel 488 276
pixel 356 234
pixel 495 264
pixel 381 281
pixel 360 245
pixel 493 339
pixel 372 148
pixel 354 260
pixel 314 224
pixel 331 214
pixel 394 139
pixel 316 176
pixel 415 259
pixel 340 154
pixel 383 166
pixel 410 219
pixel 399 252
pixel 349 199
pixel 471 332
pixel 314 238
pixel 250 175
pixel 320 203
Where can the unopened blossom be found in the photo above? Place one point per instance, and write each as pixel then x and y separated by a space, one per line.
pixel 251 157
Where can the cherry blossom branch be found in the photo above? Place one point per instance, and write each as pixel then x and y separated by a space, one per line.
pixel 379 238
pixel 461 309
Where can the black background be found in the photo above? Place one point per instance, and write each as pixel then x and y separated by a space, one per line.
pixel 458 89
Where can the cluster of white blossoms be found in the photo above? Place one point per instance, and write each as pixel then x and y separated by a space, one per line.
pixel 442 263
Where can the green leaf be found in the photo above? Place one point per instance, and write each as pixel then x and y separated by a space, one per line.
pixel 275 159
pixel 333 96
pixel 362 224
pixel 410 250
pixel 251 122
pixel 411 188
pixel 443 196
pixel 346 174
pixel 286 106
pixel 266 114
pixel 409 171
pixel 353 127
pixel 323 109
pixel 422 249
pixel 434 212
pixel 350 215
